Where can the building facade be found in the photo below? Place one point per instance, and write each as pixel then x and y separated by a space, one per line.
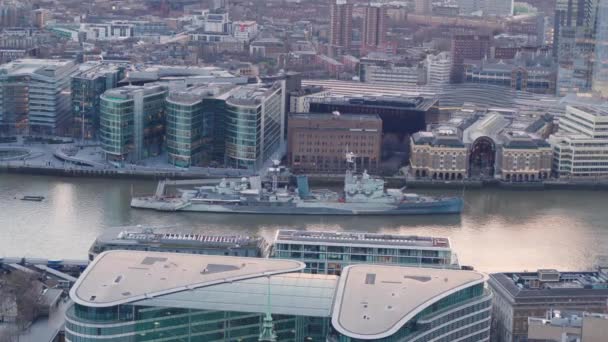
pixel 600 67
pixel 87 87
pixel 188 130
pixel 523 157
pixel 133 122
pixel 536 79
pixel 467 46
pixel 518 296
pixel 374 27
pixel 330 253
pixel 439 154
pixel 341 26
pixel 392 73
pixel 34 96
pixel 483 144
pixel 132 295
pixel 438 68
pixel 400 114
pixel 580 147
pixel 574 325
pixel 317 143
pixel 254 125
pixel 195 125
pixel 499 8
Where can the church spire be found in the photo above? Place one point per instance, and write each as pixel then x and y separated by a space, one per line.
pixel 267 333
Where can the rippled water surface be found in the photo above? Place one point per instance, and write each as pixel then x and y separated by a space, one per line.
pixel 500 230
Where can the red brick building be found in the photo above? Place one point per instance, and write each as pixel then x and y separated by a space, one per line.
pixel 318 143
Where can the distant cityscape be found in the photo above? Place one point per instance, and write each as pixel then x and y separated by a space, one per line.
pixel 464 90
pixel 234 106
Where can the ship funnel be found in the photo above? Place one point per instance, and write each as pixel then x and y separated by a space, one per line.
pixel 303 189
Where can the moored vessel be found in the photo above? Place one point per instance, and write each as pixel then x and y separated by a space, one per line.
pixel 363 195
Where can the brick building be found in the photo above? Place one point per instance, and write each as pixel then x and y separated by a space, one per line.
pixel 467 46
pixel 318 142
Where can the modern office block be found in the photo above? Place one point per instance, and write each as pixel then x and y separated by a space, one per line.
pixel 254 125
pixel 151 296
pixel 400 114
pixel 438 68
pixel 133 122
pixel 580 147
pixel 330 252
pixel 424 7
pixel 87 87
pixel 34 96
pixel 192 120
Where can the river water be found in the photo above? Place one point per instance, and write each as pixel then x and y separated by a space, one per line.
pixel 500 230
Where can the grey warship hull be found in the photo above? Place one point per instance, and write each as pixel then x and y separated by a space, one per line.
pixel 453 205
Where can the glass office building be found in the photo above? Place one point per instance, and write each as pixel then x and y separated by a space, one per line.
pixel 185 129
pixel 330 252
pixel 151 296
pixel 34 96
pixel 195 131
pixel 132 122
pixel 254 125
pixel 87 87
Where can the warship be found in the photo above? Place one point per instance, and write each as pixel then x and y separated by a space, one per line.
pixel 363 195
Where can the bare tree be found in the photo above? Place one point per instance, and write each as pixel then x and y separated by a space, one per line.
pixel 8 333
pixel 25 289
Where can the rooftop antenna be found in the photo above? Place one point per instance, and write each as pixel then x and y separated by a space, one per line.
pixel 267 334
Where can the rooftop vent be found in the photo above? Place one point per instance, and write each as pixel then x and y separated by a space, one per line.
pixel 370 279
pixel 548 275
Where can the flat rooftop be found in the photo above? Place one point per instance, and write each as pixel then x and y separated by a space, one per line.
pixel 126 93
pixel 29 66
pixel 594 110
pixel 375 301
pixel 335 116
pixel 366 302
pixel 143 235
pixel 354 238
pixel 118 277
pixel 551 283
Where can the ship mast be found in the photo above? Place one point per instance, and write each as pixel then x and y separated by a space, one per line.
pixel 275 175
pixel 352 165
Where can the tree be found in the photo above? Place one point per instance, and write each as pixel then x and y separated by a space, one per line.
pixel 26 290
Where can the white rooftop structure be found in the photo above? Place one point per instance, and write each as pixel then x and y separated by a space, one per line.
pixel 360 239
pixel 367 302
pixel 375 301
pixel 119 277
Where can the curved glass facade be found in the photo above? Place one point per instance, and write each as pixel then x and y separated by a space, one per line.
pixel 185 132
pixel 116 126
pixel 243 132
pixel 461 316
pixel 132 122
pixel 139 323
